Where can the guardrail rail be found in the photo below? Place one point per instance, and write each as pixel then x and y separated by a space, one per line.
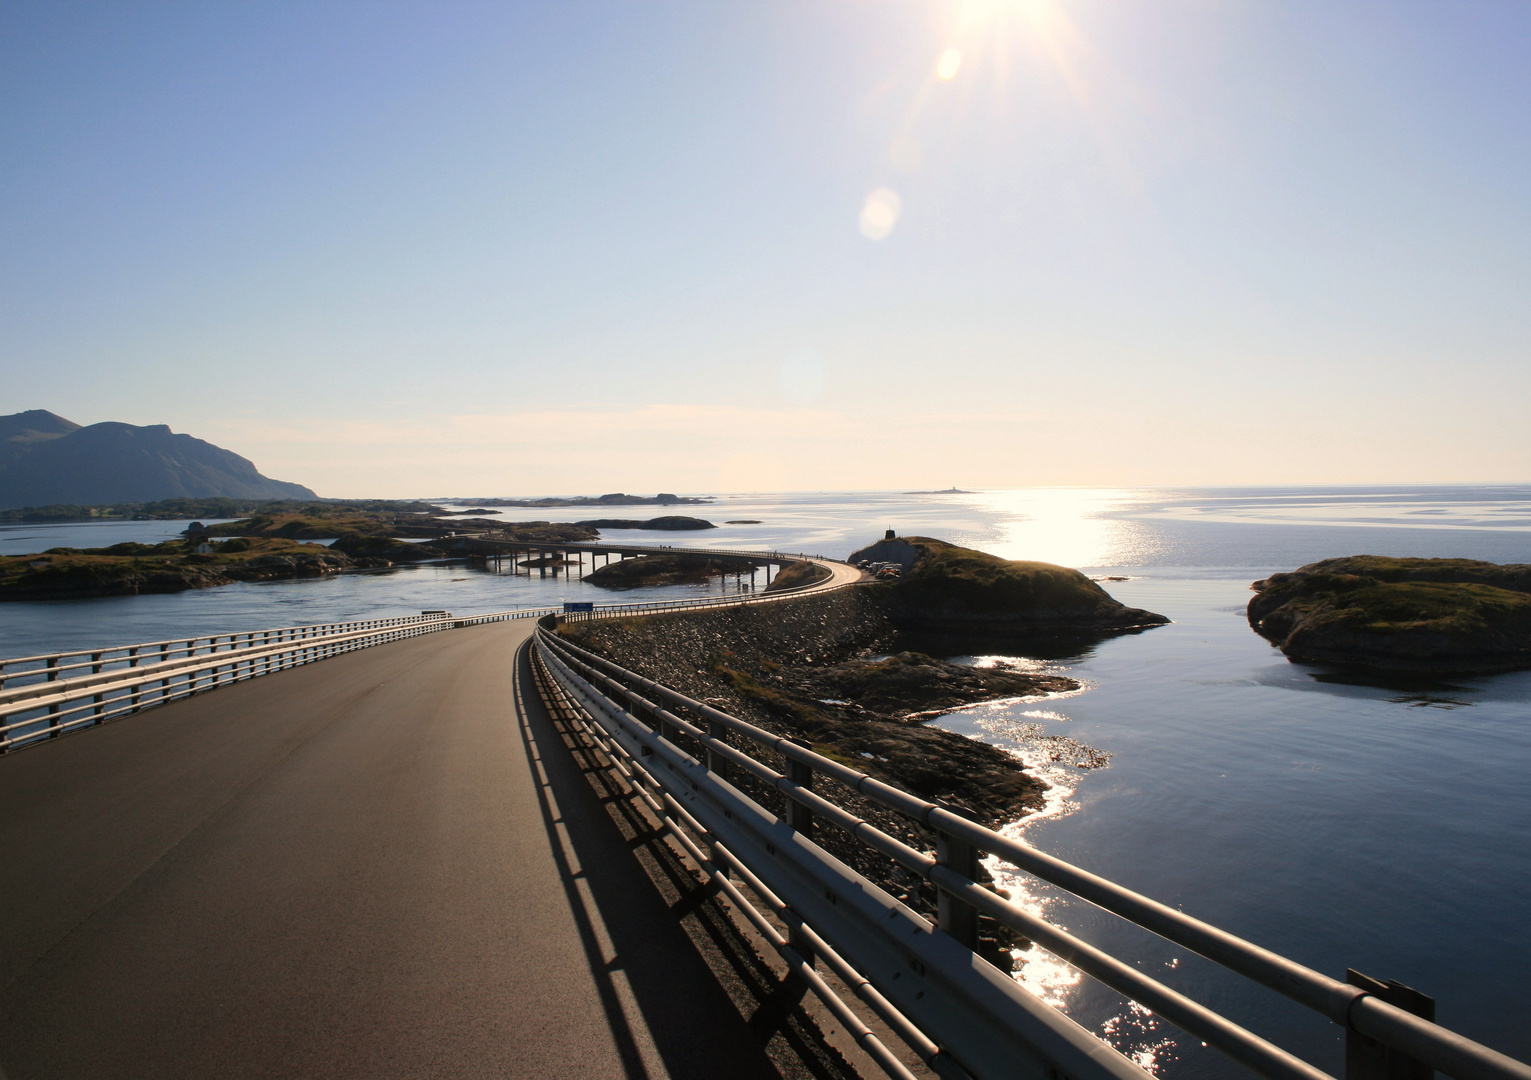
pixel 922 974
pixel 53 694
pixel 45 696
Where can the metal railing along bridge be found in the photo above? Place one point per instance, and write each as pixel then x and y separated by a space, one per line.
pixel 708 776
pixel 52 694
pixel 701 770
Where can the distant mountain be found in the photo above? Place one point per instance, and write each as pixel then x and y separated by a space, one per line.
pixel 46 460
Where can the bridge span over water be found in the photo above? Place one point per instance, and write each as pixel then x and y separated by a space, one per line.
pixel 461 846
pixel 744 562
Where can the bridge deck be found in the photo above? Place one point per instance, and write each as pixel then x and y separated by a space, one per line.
pixel 351 869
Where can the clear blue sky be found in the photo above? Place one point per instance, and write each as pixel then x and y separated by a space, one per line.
pixel 395 249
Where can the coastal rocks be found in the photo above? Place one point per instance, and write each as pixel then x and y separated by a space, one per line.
pixel 946 587
pixel 665 570
pixel 797 575
pixel 131 569
pixel 297 565
pixel 668 523
pixel 79 580
pixel 547 532
pixel 1399 616
pixel 617 498
pixel 912 684
pixel 359 546
pixel 797 668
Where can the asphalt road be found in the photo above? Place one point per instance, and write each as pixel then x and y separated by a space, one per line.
pixel 373 866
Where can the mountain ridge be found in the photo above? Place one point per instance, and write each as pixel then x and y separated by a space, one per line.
pixel 46 460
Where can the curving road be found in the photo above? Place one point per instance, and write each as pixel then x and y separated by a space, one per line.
pixel 354 869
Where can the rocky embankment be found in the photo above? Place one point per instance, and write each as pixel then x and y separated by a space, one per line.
pixel 1399 616
pixel 803 668
pixel 129 569
pixel 949 588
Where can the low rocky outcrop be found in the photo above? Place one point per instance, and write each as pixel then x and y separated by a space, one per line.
pixel 359 546
pixel 1399 616
pixel 176 566
pixel 616 498
pixel 802 669
pixel 913 685
pixel 666 570
pixel 796 575
pixel 946 587
pixel 668 523
pixel 542 532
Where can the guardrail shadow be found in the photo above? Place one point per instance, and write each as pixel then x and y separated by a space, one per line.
pixel 673 971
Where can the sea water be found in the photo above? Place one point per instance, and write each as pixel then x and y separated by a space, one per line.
pixel 1340 822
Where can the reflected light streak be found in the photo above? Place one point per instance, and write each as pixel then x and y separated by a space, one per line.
pixel 1068 526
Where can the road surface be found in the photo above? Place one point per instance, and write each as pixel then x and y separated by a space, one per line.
pixel 373 866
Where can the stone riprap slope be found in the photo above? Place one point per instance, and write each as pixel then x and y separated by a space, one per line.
pixel 799 667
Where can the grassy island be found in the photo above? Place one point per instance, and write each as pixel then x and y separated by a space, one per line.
pixel 666 570
pixel 949 587
pixel 795 575
pixel 1400 616
pixel 175 566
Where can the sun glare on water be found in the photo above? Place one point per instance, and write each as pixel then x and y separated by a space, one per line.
pixel 1068 526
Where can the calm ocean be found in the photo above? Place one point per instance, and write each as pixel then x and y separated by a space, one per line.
pixel 1377 827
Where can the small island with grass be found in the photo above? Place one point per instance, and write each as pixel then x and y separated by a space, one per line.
pixel 945 587
pixel 129 569
pixel 667 569
pixel 1399 616
pixel 668 523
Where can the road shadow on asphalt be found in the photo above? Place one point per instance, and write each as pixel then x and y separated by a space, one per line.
pixel 685 992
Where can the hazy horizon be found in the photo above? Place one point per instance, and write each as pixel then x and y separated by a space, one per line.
pixel 787 247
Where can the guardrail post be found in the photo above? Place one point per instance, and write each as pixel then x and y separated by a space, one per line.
pixel 1368 1059
pixel 95 669
pixel 957 919
pixel 716 762
pixel 795 813
pixel 53 709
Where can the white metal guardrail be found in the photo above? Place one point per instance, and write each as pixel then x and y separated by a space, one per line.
pixel 43 697
pixel 52 694
pixel 923 976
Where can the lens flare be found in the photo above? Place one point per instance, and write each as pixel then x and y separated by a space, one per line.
pixel 880 214
pixel 949 64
